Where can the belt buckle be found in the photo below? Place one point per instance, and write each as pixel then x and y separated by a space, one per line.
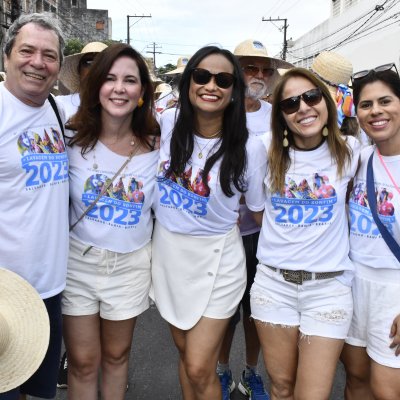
pixel 293 276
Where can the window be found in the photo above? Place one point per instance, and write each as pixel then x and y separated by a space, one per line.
pixel 74 3
pixel 335 8
pixel 100 25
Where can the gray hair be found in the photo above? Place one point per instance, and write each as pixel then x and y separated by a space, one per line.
pixel 45 20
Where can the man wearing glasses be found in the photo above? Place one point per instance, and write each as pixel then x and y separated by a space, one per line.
pixel 260 74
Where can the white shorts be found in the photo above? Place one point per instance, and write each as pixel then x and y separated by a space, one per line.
pixel 376 294
pixel 116 285
pixel 318 307
pixel 195 276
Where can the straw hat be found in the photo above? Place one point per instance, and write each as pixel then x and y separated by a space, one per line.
pixel 333 69
pixel 24 330
pixel 254 48
pixel 69 74
pixel 163 88
pixel 180 66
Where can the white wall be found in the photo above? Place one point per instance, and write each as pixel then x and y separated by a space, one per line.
pixel 372 45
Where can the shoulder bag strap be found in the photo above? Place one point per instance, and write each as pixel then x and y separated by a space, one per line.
pixel 103 191
pixel 371 196
pixel 55 108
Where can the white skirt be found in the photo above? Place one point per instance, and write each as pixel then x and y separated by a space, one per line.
pixel 195 276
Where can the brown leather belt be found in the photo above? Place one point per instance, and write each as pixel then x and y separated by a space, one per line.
pixel 299 277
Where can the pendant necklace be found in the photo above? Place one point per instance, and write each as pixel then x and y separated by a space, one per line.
pixel 214 135
pixel 387 170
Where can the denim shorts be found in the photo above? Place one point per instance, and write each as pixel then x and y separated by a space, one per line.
pixel 43 383
pixel 318 307
pixel 376 304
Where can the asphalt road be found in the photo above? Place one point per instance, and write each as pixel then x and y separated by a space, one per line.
pixel 153 371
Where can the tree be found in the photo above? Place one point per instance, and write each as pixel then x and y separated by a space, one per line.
pixel 73 46
pixel 165 68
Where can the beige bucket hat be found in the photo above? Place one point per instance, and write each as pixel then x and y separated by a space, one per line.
pixel 180 66
pixel 24 330
pixel 69 74
pixel 163 88
pixel 254 48
pixel 333 69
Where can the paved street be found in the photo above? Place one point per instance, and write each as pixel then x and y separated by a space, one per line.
pixel 153 372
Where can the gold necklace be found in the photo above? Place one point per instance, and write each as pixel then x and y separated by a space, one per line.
pixel 200 153
pixel 209 136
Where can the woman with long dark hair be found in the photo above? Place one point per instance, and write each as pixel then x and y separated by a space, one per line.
pixel 112 178
pixel 301 297
pixel 206 164
pixel 372 349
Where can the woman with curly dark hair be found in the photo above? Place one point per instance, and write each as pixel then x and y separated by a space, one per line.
pixel 206 164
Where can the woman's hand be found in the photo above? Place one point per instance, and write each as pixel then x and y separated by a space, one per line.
pixel 395 335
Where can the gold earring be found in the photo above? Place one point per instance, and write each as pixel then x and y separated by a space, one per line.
pixel 140 102
pixel 285 139
pixel 325 131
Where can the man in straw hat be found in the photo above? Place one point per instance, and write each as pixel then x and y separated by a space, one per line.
pixel 74 70
pixel 34 179
pixel 24 330
pixel 260 73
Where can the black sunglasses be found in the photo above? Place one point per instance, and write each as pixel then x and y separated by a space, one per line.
pixel 202 76
pixel 292 104
pixel 381 68
pixel 85 62
pixel 253 70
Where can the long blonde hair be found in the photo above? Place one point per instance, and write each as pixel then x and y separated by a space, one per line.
pixel 278 156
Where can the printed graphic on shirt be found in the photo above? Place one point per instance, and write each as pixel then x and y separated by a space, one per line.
pixel 305 203
pixel 119 206
pixel 43 157
pixel 361 220
pixel 186 192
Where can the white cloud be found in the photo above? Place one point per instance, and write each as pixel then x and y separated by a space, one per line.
pixel 180 27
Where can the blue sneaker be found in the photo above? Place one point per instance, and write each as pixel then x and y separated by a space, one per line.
pixel 253 387
pixel 227 384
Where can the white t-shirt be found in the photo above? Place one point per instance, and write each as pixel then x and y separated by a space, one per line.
pixel 70 103
pixel 307 228
pixel 183 205
pixel 121 220
pixel 34 194
pixel 259 124
pixel 367 246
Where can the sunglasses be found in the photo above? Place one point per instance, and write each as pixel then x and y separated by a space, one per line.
pixel 292 104
pixel 253 70
pixel 381 68
pixel 202 76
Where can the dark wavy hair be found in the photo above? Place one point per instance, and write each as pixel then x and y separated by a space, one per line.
pixel 232 149
pixel 389 78
pixel 278 155
pixel 87 121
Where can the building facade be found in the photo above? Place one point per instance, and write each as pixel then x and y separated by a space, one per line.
pixel 363 31
pixel 77 21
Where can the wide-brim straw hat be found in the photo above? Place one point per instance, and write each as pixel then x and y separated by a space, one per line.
pixel 24 330
pixel 69 74
pixel 333 69
pixel 254 48
pixel 163 88
pixel 180 66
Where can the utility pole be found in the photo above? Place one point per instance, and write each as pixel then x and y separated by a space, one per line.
pixel 154 52
pixel 128 40
pixel 285 26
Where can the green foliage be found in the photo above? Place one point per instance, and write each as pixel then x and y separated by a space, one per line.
pixel 165 68
pixel 73 46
